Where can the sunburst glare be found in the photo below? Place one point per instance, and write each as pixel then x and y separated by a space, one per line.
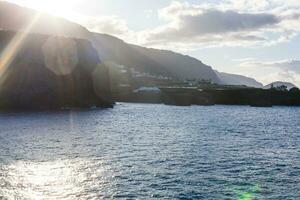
pixel 62 8
pixel 11 50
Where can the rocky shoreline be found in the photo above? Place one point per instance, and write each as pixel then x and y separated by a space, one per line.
pixel 254 97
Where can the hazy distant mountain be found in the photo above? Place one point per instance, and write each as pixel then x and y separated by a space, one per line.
pixel 280 83
pixel 161 62
pixel 233 79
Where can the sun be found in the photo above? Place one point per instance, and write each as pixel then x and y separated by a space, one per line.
pixel 62 8
pixel 56 7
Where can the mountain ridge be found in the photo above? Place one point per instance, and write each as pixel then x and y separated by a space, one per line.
pixel 110 48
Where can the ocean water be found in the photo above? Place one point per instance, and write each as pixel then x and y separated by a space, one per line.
pixel 140 151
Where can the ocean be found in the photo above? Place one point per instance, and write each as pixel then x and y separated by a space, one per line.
pixel 149 151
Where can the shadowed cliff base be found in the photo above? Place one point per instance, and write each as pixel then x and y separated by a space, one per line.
pixel 217 95
pixel 45 72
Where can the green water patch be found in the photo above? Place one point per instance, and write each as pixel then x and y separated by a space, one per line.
pixel 251 194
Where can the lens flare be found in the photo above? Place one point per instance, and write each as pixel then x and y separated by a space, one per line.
pixel 9 53
pixel 250 195
pixel 60 55
pixel 62 8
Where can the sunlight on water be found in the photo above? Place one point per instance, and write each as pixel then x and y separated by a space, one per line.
pixel 66 179
pixel 139 151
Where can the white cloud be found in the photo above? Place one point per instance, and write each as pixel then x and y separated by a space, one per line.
pixel 228 23
pixel 216 25
pixel 286 65
pixel 211 26
pixel 149 13
pixel 107 24
pixel 261 5
pixel 191 26
pixel 282 70
pixel 250 5
pixel 112 25
pixel 243 59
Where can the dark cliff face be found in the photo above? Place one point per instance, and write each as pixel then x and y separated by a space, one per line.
pixel 47 72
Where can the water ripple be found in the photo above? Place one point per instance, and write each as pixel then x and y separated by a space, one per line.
pixel 137 151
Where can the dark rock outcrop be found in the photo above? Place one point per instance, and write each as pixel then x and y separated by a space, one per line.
pixel 45 72
pixel 255 97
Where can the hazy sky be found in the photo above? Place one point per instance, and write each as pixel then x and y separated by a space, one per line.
pixel 257 38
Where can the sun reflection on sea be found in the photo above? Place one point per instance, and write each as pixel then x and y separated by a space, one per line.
pixel 60 179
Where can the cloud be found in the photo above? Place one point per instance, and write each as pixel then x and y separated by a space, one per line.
pixel 243 59
pixel 283 70
pixel 261 5
pixel 250 5
pixel 112 25
pixel 280 76
pixel 216 25
pixel 209 24
pixel 189 26
pixel 220 22
pixel 107 24
pixel 285 65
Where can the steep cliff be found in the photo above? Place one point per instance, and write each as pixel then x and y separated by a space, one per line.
pixel 46 72
pixel 159 62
